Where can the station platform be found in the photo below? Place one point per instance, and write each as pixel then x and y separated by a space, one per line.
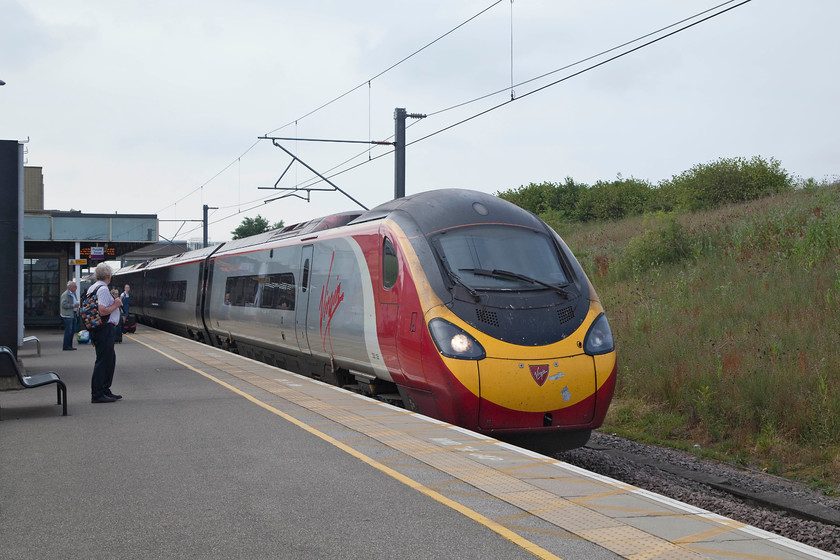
pixel 213 455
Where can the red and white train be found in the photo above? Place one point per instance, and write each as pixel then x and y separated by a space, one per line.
pixel 463 306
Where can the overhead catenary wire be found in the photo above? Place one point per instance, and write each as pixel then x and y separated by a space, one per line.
pixel 573 64
pixel 211 179
pixel 578 73
pixel 512 93
pixel 531 80
pixel 295 122
pixel 383 72
pixel 536 90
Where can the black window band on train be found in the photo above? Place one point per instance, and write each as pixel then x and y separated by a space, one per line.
pixel 172 291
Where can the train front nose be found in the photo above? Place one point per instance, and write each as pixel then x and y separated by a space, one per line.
pixel 536 393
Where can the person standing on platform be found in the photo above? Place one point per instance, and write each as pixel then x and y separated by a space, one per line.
pixel 103 337
pixel 126 299
pixel 69 306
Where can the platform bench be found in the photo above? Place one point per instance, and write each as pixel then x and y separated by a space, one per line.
pixel 12 379
pixel 34 339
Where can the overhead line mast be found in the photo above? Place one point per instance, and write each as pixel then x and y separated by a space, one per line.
pixel 399 149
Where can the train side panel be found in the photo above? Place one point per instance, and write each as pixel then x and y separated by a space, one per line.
pixel 312 301
pixel 254 297
pixel 341 321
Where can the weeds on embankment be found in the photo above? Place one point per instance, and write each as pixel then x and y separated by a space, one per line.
pixel 727 324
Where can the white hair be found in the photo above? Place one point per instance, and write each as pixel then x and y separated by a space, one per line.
pixel 103 271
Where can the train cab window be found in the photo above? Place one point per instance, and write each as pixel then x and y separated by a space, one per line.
pixel 390 265
pixel 279 292
pixel 496 257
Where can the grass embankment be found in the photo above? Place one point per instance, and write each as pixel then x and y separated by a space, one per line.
pixel 727 324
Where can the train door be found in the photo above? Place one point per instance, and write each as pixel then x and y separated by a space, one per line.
pixel 199 296
pixel 303 291
pixel 388 297
pixel 406 320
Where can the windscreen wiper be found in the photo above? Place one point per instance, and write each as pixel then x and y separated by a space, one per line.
pixel 509 274
pixel 458 280
pixel 455 278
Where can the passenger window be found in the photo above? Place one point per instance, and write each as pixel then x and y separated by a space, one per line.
pixel 390 265
pixel 172 291
pixel 279 292
pixel 241 290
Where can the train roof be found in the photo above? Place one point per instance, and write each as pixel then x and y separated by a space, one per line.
pixel 445 208
pixel 187 256
pixel 295 230
pixel 434 210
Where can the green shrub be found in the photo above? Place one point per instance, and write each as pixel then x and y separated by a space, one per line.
pixel 727 180
pixel 613 200
pixel 667 242
pixel 704 186
pixel 539 198
pixel 534 197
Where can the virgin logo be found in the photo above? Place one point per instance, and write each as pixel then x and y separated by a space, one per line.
pixel 539 373
pixel 330 300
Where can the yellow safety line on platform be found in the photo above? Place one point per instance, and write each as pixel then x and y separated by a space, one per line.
pixel 501 530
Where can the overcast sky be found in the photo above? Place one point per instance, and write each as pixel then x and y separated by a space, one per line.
pixel 157 107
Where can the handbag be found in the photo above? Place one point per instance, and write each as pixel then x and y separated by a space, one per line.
pixel 77 323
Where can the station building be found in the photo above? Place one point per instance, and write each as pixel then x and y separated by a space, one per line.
pixel 65 245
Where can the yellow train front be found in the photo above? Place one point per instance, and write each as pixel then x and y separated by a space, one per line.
pixel 516 343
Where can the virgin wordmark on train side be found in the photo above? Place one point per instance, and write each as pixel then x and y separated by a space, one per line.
pixel 329 305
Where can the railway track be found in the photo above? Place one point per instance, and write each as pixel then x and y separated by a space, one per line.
pixel 758 499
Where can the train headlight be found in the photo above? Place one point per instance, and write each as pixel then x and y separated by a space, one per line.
pixel 454 342
pixel 599 339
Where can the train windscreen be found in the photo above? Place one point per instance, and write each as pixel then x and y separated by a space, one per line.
pixel 496 257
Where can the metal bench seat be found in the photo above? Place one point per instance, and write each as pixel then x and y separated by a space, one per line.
pixel 12 379
pixel 34 339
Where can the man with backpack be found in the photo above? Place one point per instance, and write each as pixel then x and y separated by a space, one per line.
pixel 103 336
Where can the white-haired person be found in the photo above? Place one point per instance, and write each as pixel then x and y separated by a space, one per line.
pixel 69 307
pixel 103 337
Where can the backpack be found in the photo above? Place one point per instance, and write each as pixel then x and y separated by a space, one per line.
pixel 90 312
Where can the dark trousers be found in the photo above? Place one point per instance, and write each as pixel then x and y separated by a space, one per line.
pixel 106 361
pixel 68 332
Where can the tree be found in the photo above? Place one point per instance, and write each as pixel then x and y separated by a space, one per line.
pixel 253 226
